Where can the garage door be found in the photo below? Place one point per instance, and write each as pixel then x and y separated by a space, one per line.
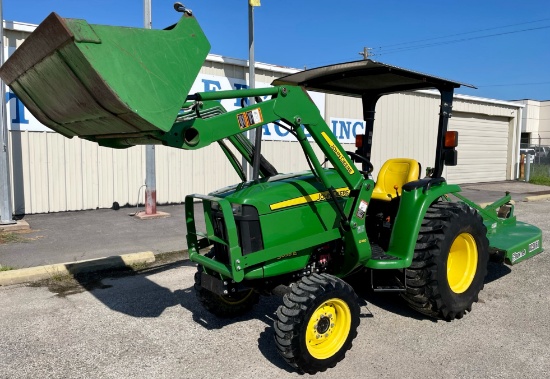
pixel 482 148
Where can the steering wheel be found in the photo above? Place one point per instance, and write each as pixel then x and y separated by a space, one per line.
pixel 362 159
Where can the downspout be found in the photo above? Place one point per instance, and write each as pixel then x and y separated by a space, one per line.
pixel 518 137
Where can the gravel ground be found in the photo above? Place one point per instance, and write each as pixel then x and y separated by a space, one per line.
pixel 150 325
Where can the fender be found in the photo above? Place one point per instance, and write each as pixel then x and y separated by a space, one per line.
pixel 415 201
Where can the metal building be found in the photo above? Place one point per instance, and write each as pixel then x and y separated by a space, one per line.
pixel 51 173
pixel 535 128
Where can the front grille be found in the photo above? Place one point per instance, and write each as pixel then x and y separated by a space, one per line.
pixel 248 231
pixel 220 251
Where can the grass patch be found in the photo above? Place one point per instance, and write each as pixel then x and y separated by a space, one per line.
pixel 170 257
pixel 6 268
pixel 540 174
pixel 542 180
pixel 10 237
pixel 58 277
pixel 539 179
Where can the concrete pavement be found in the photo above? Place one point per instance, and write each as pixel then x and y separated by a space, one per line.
pixel 489 192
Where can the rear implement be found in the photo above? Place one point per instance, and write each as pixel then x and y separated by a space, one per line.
pixel 511 241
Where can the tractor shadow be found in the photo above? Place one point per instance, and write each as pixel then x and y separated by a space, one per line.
pixel 126 291
pixel 266 345
pixel 134 294
pixel 387 301
pixel 393 303
pixel 495 271
pixel 138 296
pixel 264 311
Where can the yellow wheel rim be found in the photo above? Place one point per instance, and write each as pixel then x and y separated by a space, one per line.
pixel 328 328
pixel 462 263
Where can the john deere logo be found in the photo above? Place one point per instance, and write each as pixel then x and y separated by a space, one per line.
pixel 338 153
pixel 318 196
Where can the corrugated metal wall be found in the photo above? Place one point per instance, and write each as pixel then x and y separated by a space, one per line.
pixel 531 116
pixel 536 121
pixel 545 122
pixel 51 173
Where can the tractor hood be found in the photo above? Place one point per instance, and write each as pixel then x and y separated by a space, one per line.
pixel 283 191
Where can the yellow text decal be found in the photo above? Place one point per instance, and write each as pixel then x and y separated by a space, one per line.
pixel 319 196
pixel 341 157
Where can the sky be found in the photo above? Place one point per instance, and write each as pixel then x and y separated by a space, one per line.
pixel 500 46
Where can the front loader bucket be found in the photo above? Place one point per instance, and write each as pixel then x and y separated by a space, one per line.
pixel 97 81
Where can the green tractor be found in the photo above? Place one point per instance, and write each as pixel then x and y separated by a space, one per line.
pixel 298 234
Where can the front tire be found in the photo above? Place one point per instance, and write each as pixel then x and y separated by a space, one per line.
pixel 224 306
pixel 450 262
pixel 317 323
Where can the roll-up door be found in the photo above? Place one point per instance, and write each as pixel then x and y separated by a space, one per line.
pixel 482 148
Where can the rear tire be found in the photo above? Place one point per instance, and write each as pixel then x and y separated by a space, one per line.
pixel 450 262
pixel 224 306
pixel 317 323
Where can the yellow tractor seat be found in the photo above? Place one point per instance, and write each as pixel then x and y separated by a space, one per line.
pixel 393 175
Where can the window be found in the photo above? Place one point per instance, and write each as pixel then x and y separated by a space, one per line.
pixel 525 140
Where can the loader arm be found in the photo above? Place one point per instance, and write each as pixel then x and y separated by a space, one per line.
pixel 289 103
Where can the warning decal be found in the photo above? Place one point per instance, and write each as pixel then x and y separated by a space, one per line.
pixel 249 118
pixel 362 210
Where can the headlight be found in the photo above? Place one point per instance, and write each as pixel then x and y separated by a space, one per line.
pixel 237 209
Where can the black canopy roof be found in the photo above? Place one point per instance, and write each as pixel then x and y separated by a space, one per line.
pixel 365 77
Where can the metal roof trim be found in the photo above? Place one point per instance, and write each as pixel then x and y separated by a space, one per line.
pixel 19 26
pixel 484 100
pixel 244 63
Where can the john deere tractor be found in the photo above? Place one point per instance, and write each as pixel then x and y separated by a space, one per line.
pixel 296 234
